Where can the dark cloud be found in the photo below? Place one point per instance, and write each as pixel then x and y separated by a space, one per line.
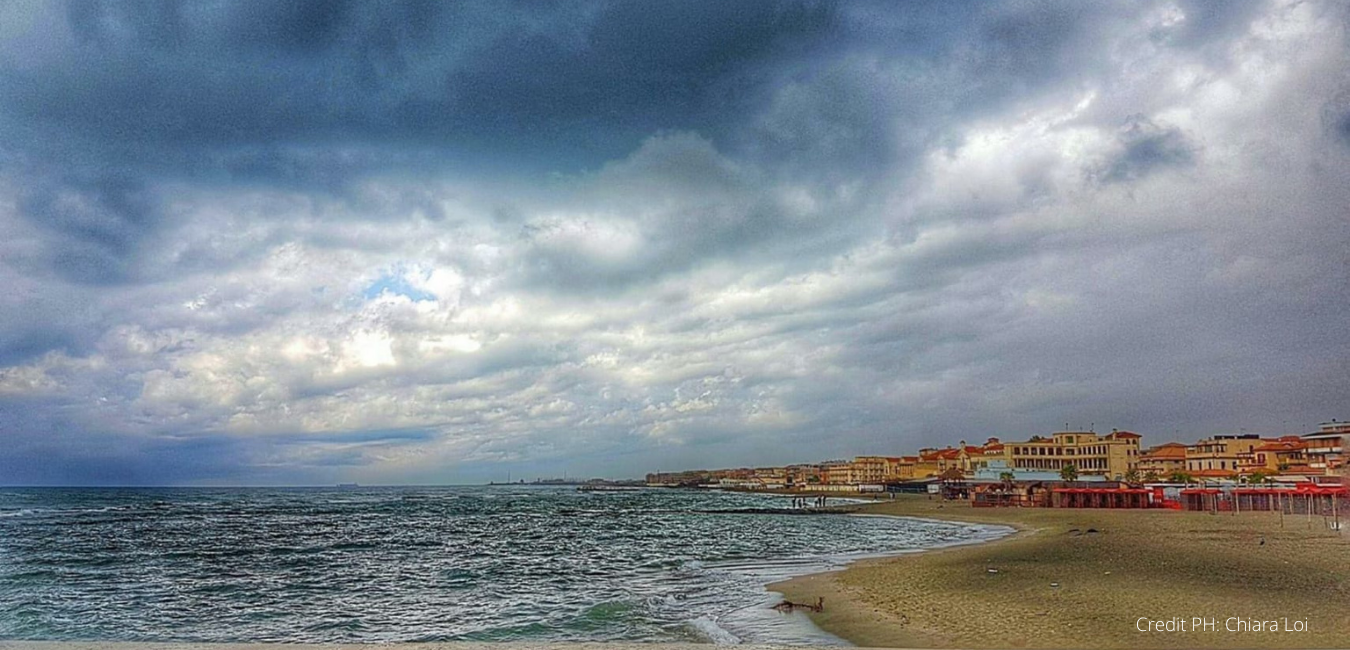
pixel 98 225
pixel 1145 148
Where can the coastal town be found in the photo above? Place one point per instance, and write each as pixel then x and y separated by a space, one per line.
pixel 1077 469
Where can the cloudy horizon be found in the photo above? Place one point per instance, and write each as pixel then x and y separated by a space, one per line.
pixel 418 243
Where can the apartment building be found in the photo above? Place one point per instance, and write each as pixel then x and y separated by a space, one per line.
pixel 804 474
pixel 933 462
pixel 993 451
pixel 874 470
pixel 1218 456
pixel 907 468
pixel 1163 460
pixel 1325 450
pixel 1283 455
pixel 1111 455
pixel 837 472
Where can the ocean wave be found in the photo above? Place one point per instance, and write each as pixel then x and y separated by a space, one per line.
pixel 291 566
pixel 714 633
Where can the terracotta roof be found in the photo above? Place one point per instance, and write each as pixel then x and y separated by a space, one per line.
pixel 1124 434
pixel 1166 452
pixel 1281 446
pixel 947 453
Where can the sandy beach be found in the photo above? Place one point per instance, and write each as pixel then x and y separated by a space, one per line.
pixel 1056 585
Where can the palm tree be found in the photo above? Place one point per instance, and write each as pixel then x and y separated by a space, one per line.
pixel 1069 472
pixel 1007 478
pixel 1151 477
pixel 1258 478
pixel 1132 477
pixel 1181 477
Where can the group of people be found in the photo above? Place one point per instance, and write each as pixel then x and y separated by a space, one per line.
pixel 814 502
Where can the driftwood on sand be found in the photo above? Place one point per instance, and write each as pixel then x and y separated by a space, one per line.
pixel 787 606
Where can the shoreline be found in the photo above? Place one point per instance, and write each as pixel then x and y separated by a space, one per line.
pixel 799 588
pixel 1072 578
pixel 829 564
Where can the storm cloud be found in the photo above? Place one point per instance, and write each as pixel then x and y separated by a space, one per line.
pixel 419 242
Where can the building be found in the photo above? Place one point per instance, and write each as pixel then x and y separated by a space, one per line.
pixel 972 457
pixel 1218 456
pixel 803 475
pixel 770 478
pixel 1112 455
pixel 992 451
pixel 837 472
pixel 1101 497
pixel 1163 461
pixel 936 461
pixel 1325 450
pixel 905 470
pixel 875 470
pixel 1279 456
pixel 994 472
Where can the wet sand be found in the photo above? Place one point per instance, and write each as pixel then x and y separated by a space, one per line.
pixel 1155 564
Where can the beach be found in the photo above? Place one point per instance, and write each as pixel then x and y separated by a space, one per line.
pixel 1058 584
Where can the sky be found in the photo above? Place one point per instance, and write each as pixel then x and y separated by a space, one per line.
pixel 282 243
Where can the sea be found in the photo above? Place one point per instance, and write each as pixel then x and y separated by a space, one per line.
pixel 388 564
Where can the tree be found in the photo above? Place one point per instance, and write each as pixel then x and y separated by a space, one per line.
pixel 1258 478
pixel 1069 472
pixel 1180 477
pixel 1132 477
pixel 1008 478
pixel 1151 477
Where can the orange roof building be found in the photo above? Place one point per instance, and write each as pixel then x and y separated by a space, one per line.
pixel 1112 455
pixel 1164 460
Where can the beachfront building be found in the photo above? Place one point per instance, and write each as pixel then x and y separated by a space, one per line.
pixel 774 478
pixel 803 475
pixel 994 472
pixel 1112 455
pixel 1275 456
pixel 837 472
pixel 972 457
pixel 992 451
pixel 1163 461
pixel 933 462
pixel 876 469
pixel 1217 456
pixel 1325 447
pixel 906 470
